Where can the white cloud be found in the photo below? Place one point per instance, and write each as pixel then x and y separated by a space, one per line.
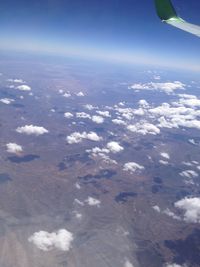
pixel 165 155
pixel 93 201
pixel 32 130
pixel 78 215
pixel 89 107
pixel 139 112
pixel 80 94
pixel 157 208
pixel 79 202
pixel 106 158
pixel 176 116
pixel 169 213
pixel 83 115
pixel 191 207
pixel 6 101
pixel 128 264
pixel 163 162
pixel 14 148
pixel 187 96
pixel 77 185
pixel 45 241
pixel 132 167
pixel 16 80
pixel 77 137
pixel 144 128
pixel 68 115
pixel 143 103
pixel 190 102
pixel 114 147
pixel 97 150
pixel 118 122
pixel 127 113
pixel 64 94
pixel 104 113
pixel 189 174
pixel 168 87
pixel 67 94
pixel 24 87
pixel 102 153
pixel 97 119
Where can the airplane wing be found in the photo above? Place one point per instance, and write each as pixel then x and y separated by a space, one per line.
pixel 167 13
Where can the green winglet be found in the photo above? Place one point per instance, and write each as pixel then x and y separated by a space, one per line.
pixel 165 9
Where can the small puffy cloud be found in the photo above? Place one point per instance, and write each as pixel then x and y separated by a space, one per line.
pixel 170 213
pixel 165 155
pixel 14 148
pixel 167 212
pixel 128 264
pixel 68 115
pixel 23 87
pixel 126 113
pixel 119 122
pixel 80 94
pixel 168 87
pixel 83 115
pixel 102 153
pixel 103 113
pixel 93 201
pixel 97 150
pixel 32 130
pixel 78 215
pixel 143 103
pixel 114 147
pixel 132 167
pixel 191 207
pixel 77 185
pixel 163 162
pixel 16 80
pixel 157 208
pixel 144 128
pixel 89 107
pixel 192 141
pixel 97 119
pixel 6 101
pixel 66 95
pixel 77 137
pixel 45 241
pixel 189 174
pixel 77 201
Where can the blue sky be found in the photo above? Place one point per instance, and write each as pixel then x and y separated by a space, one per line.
pixel 126 30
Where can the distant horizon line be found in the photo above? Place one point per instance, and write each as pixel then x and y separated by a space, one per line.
pixel 104 58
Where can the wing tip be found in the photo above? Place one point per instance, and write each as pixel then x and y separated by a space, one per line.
pixel 165 10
